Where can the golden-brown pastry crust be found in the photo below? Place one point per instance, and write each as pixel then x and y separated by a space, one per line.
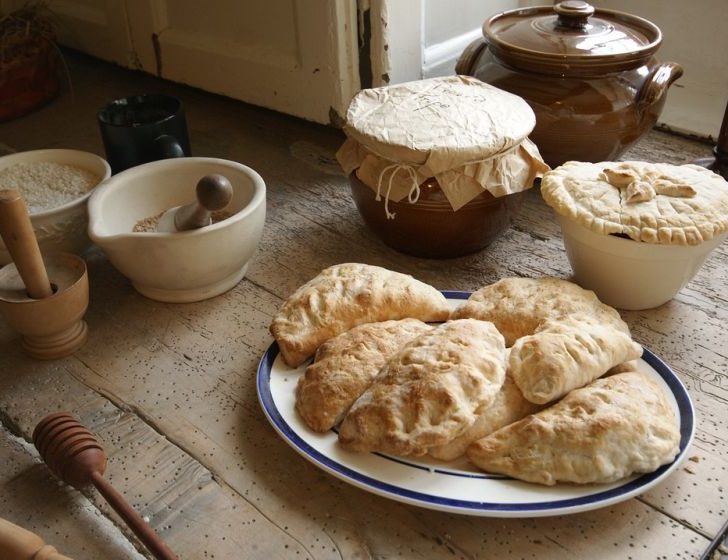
pixel 519 306
pixel 346 295
pixel 509 405
pixel 631 365
pixel 430 391
pixel 345 366
pixel 567 354
pixel 648 202
pixel 615 427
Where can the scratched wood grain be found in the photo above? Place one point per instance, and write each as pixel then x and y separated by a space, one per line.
pixel 170 389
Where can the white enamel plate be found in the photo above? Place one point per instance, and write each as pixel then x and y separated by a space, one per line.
pixel 456 486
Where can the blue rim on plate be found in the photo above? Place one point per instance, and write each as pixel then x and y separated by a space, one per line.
pixel 630 488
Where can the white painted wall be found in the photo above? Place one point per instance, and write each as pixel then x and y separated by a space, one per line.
pixel 443 21
pixel 447 31
pixel 694 35
pixel 295 56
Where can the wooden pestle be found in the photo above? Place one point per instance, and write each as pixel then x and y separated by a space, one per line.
pixel 213 192
pixel 19 238
pixel 17 543
pixel 75 456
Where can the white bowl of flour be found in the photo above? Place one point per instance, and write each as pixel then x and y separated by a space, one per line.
pixel 56 185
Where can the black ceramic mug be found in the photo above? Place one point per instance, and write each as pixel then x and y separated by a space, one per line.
pixel 143 128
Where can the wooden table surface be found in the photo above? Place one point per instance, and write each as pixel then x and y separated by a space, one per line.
pixel 170 388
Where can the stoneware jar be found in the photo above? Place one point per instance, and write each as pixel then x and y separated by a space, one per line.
pixel 589 74
pixel 438 167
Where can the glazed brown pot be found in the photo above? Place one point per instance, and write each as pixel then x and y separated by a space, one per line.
pixel 430 227
pixel 589 75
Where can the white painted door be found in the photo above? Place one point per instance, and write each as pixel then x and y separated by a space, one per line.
pixel 295 56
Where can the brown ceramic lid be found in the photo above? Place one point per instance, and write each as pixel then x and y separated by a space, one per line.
pixel 571 38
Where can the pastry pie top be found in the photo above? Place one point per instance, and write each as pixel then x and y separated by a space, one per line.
pixel 649 202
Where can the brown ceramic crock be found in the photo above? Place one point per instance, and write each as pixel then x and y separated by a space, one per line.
pixel 589 75
pixel 430 228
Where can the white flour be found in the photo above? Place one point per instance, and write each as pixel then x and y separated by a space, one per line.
pixel 45 185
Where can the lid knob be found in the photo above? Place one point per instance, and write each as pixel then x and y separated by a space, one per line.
pixel 573 14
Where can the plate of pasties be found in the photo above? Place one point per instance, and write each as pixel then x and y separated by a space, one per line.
pixel 457 486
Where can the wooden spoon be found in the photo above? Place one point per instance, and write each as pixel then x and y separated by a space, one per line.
pixel 214 192
pixel 75 456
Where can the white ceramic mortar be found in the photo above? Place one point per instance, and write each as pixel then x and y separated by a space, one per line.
pixel 181 266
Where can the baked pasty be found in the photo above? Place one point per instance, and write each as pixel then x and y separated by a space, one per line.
pixel 518 306
pixel 430 391
pixel 509 405
pixel 615 427
pixel 567 354
pixel 631 365
pixel 345 366
pixel 346 295
pixel 648 202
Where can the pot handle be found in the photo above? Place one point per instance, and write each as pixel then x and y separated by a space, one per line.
pixel 466 60
pixel 656 85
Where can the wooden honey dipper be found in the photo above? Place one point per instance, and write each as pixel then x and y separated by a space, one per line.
pixel 75 456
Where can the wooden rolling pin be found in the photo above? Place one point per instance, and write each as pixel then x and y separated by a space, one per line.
pixel 17 543
pixel 76 457
pixel 19 238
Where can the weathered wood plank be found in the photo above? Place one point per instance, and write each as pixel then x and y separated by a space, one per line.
pixel 197 515
pixel 324 517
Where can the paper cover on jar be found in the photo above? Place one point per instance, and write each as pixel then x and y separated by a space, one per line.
pixel 468 135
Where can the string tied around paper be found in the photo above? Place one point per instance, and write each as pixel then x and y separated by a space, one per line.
pixel 413 194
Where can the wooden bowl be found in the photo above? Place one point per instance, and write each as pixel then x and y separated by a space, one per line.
pixel 430 227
